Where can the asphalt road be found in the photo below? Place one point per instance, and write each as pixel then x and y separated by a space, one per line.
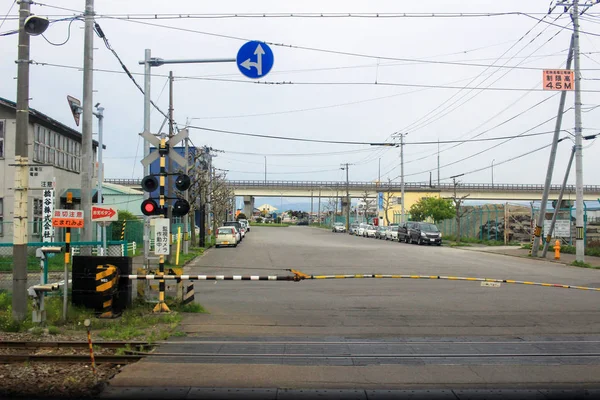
pixel 379 333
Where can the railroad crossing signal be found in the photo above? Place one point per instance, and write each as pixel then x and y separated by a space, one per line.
pixel 151 183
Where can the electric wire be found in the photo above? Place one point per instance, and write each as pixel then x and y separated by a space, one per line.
pixel 68 34
pixel 6 16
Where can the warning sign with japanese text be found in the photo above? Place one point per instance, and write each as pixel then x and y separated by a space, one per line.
pixel 67 218
pixel 161 236
pixel 559 79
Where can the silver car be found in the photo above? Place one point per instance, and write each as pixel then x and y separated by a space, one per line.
pixel 392 232
pixel 370 231
pixel 338 227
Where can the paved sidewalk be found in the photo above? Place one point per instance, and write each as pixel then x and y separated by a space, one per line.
pixel 519 252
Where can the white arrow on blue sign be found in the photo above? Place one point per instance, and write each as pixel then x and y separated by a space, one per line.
pixel 255 59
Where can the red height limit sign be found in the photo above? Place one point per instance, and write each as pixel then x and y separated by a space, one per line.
pixel 559 79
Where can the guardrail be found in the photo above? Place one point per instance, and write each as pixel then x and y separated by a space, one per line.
pixel 384 186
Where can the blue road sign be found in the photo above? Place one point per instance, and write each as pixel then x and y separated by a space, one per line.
pixel 255 59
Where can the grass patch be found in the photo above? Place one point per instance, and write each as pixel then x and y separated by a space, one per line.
pixel 460 244
pixel 135 323
pixel 491 242
pixel 567 249
pixel 283 225
pixel 185 258
pixel 582 264
pixel 194 308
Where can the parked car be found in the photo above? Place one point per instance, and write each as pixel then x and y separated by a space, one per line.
pixel 361 229
pixel 247 224
pixel 370 231
pixel 380 232
pixel 237 226
pixel 226 236
pixel 424 233
pixel 244 226
pixel 392 233
pixel 338 227
pixel 302 222
pixel 403 231
pixel 353 229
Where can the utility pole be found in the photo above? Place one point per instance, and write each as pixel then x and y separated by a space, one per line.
pixel 21 181
pixel 493 172
pixel 347 197
pixel 579 223
pixel 550 170
pixel 558 203
pixel 170 186
pixel 402 171
pixel 87 118
pixel 438 163
pixel 265 169
pixel 311 208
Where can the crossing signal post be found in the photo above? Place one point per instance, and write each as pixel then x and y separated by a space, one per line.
pixel 158 206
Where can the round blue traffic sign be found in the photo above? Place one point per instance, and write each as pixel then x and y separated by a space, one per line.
pixel 255 59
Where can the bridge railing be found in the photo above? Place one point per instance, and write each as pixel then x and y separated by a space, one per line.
pixel 385 186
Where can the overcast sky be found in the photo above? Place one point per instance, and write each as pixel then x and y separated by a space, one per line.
pixel 331 96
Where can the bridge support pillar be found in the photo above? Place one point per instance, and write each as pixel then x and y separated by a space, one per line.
pixel 345 208
pixel 248 206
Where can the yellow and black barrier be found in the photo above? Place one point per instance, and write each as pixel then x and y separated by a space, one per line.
pixel 300 276
pixel 107 278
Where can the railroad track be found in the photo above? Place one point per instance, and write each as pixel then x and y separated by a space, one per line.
pixel 70 344
pixel 24 356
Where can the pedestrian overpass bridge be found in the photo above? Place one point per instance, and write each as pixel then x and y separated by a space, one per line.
pixel 250 189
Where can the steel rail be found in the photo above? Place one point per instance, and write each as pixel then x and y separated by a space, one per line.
pixel 378 343
pixel 349 355
pixel 69 358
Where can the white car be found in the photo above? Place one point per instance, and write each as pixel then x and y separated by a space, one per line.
pixel 361 229
pixel 227 236
pixel 245 221
pixel 370 231
pixel 338 227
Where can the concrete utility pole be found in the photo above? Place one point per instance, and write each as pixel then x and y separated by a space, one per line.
pixel 265 169
pixel 493 172
pixel 558 203
pixel 550 171
pixel 21 182
pixel 438 163
pixel 186 196
pixel 402 172
pixel 579 223
pixel 87 118
pixel 319 213
pixel 347 196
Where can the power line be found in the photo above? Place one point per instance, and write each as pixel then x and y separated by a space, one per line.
pixel 508 160
pixel 9 10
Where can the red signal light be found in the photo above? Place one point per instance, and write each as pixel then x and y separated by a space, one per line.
pixel 149 207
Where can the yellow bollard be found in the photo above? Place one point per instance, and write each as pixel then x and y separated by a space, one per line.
pixel 557 250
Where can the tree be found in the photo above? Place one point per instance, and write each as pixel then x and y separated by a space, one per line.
pixel 432 207
pixel 387 202
pixel 241 216
pixel 459 213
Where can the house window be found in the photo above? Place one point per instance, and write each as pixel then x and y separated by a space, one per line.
pixel 54 149
pixel 2 123
pixel 37 216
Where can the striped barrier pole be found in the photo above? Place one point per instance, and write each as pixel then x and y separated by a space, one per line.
pixel 299 276
pixel 123 230
pixel 188 296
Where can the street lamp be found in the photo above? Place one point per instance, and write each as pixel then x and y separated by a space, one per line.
pixel 28 25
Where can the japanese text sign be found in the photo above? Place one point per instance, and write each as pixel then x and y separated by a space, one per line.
pixel 559 79
pixel 67 218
